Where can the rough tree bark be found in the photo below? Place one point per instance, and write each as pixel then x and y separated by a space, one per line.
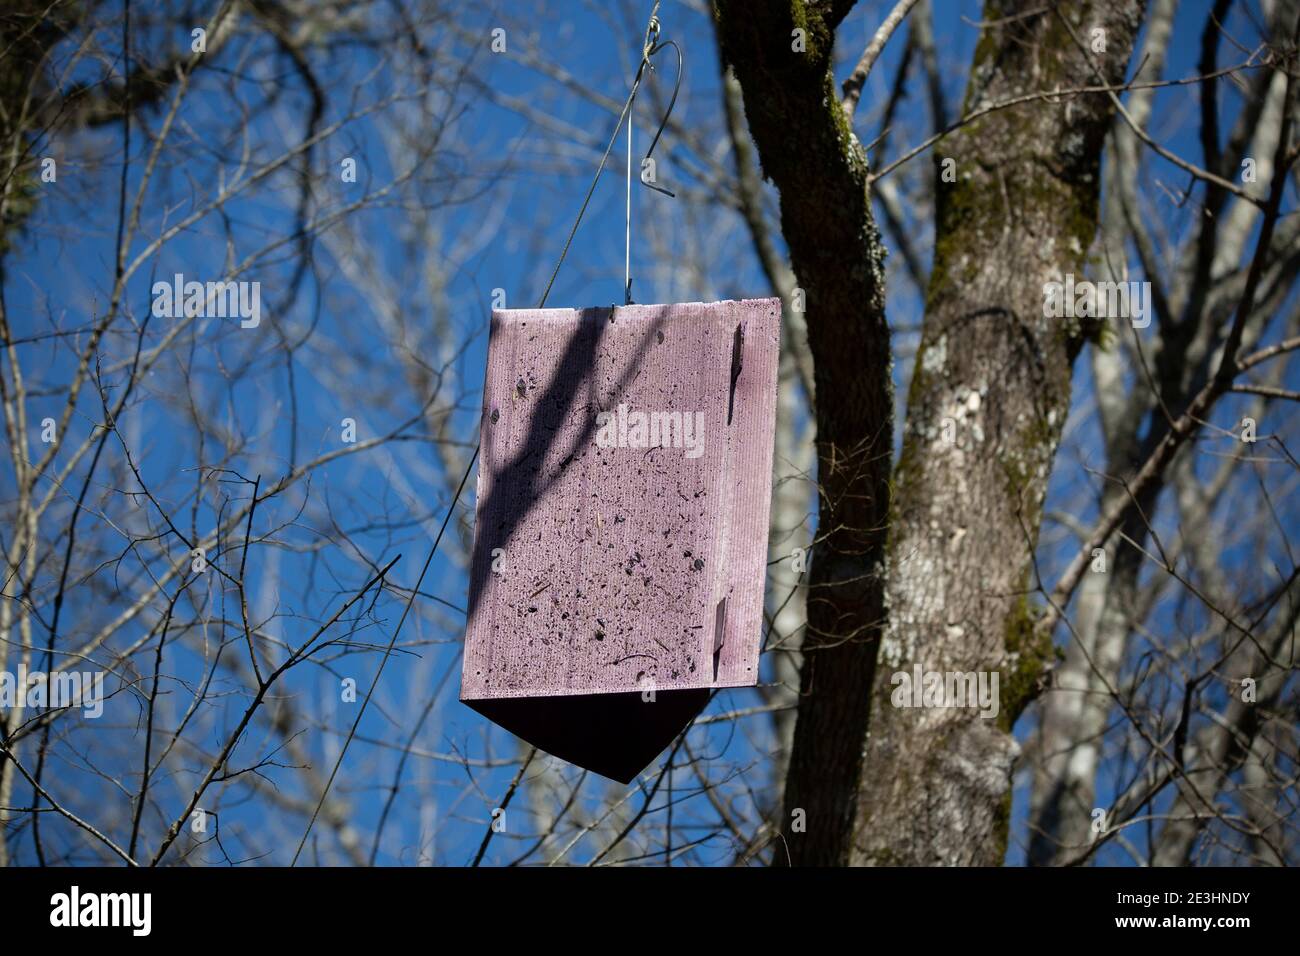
pixel 782 54
pixel 1022 212
pixel 929 786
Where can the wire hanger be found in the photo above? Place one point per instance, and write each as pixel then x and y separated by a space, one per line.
pixel 649 47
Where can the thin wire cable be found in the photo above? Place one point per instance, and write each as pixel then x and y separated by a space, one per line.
pixel 384 660
pixel 648 49
pixel 627 221
pixel 650 46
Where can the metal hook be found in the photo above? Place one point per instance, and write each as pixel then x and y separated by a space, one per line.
pixel 677 86
pixel 650 46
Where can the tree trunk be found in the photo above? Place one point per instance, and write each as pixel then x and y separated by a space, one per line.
pixel 781 51
pixel 992 374
pixel 989 395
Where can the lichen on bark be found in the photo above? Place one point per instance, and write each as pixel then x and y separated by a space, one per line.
pixel 1021 212
pixel 928 565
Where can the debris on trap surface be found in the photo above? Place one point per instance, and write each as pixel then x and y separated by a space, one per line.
pixel 621 535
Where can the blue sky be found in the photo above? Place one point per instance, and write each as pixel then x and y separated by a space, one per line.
pixel 521 142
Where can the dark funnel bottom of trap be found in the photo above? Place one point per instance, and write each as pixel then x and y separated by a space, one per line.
pixel 614 735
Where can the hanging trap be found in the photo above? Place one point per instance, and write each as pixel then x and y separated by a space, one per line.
pixel 621 524
pixel 621 530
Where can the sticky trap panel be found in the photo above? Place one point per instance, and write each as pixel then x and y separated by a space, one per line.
pixel 614 553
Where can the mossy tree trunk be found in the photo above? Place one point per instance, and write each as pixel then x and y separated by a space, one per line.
pixel 782 56
pixel 989 396
pixel 990 393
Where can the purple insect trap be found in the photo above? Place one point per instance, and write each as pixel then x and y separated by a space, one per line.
pixel 621 523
